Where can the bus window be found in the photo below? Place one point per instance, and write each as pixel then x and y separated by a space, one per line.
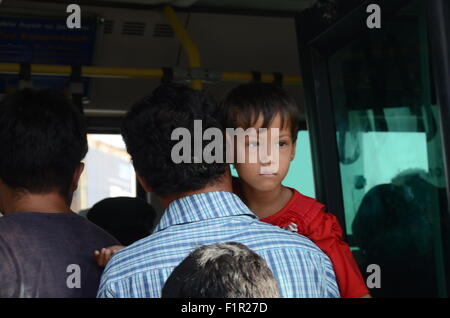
pixel 300 175
pixel 108 172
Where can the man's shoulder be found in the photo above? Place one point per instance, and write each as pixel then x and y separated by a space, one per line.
pixel 162 249
pixel 95 230
pixel 67 225
pixel 10 225
pixel 145 256
pixel 154 245
pixel 154 257
pixel 5 220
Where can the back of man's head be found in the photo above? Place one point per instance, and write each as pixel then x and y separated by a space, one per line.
pixel 127 219
pixel 42 141
pixel 222 270
pixel 147 132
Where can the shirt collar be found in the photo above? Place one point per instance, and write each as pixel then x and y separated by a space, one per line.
pixel 203 206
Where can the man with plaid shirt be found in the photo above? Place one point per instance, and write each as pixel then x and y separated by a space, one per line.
pixel 200 208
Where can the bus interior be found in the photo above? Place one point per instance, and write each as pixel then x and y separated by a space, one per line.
pixel 373 144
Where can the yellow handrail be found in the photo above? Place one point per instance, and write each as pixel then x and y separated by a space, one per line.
pixel 122 72
pixel 265 77
pixel 86 71
pixel 186 41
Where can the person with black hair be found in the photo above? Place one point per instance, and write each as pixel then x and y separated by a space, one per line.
pixel 260 106
pixel 222 270
pixel 201 208
pixel 127 219
pixel 45 248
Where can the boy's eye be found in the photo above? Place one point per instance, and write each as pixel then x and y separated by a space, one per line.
pixel 282 143
pixel 253 144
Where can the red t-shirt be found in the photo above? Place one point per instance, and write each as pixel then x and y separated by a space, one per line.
pixel 306 216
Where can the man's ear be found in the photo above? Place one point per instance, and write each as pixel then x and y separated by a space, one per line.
pixel 76 177
pixel 143 183
pixel 294 146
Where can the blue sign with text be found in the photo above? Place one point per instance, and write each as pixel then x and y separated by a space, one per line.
pixel 44 41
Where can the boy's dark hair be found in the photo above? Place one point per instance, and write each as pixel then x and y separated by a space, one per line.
pixel 222 270
pixel 244 104
pixel 147 131
pixel 42 141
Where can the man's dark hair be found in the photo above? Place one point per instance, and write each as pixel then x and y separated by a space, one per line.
pixel 147 131
pixel 127 219
pixel 42 141
pixel 243 105
pixel 222 270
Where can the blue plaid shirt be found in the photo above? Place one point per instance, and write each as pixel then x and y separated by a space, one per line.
pixel 141 269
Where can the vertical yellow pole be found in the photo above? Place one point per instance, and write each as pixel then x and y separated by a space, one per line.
pixel 186 41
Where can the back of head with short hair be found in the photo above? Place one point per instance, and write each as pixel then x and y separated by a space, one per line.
pixel 222 270
pixel 147 132
pixel 42 141
pixel 243 105
pixel 127 219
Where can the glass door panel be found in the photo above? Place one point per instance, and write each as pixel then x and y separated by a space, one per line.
pixel 391 166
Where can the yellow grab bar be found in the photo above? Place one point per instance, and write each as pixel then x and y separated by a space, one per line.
pixel 123 72
pixel 186 41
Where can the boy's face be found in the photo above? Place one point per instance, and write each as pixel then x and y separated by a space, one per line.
pixel 272 158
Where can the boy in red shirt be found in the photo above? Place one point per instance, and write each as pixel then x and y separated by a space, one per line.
pixel 259 105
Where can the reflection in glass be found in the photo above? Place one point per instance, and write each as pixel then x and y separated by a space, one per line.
pixel 390 153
